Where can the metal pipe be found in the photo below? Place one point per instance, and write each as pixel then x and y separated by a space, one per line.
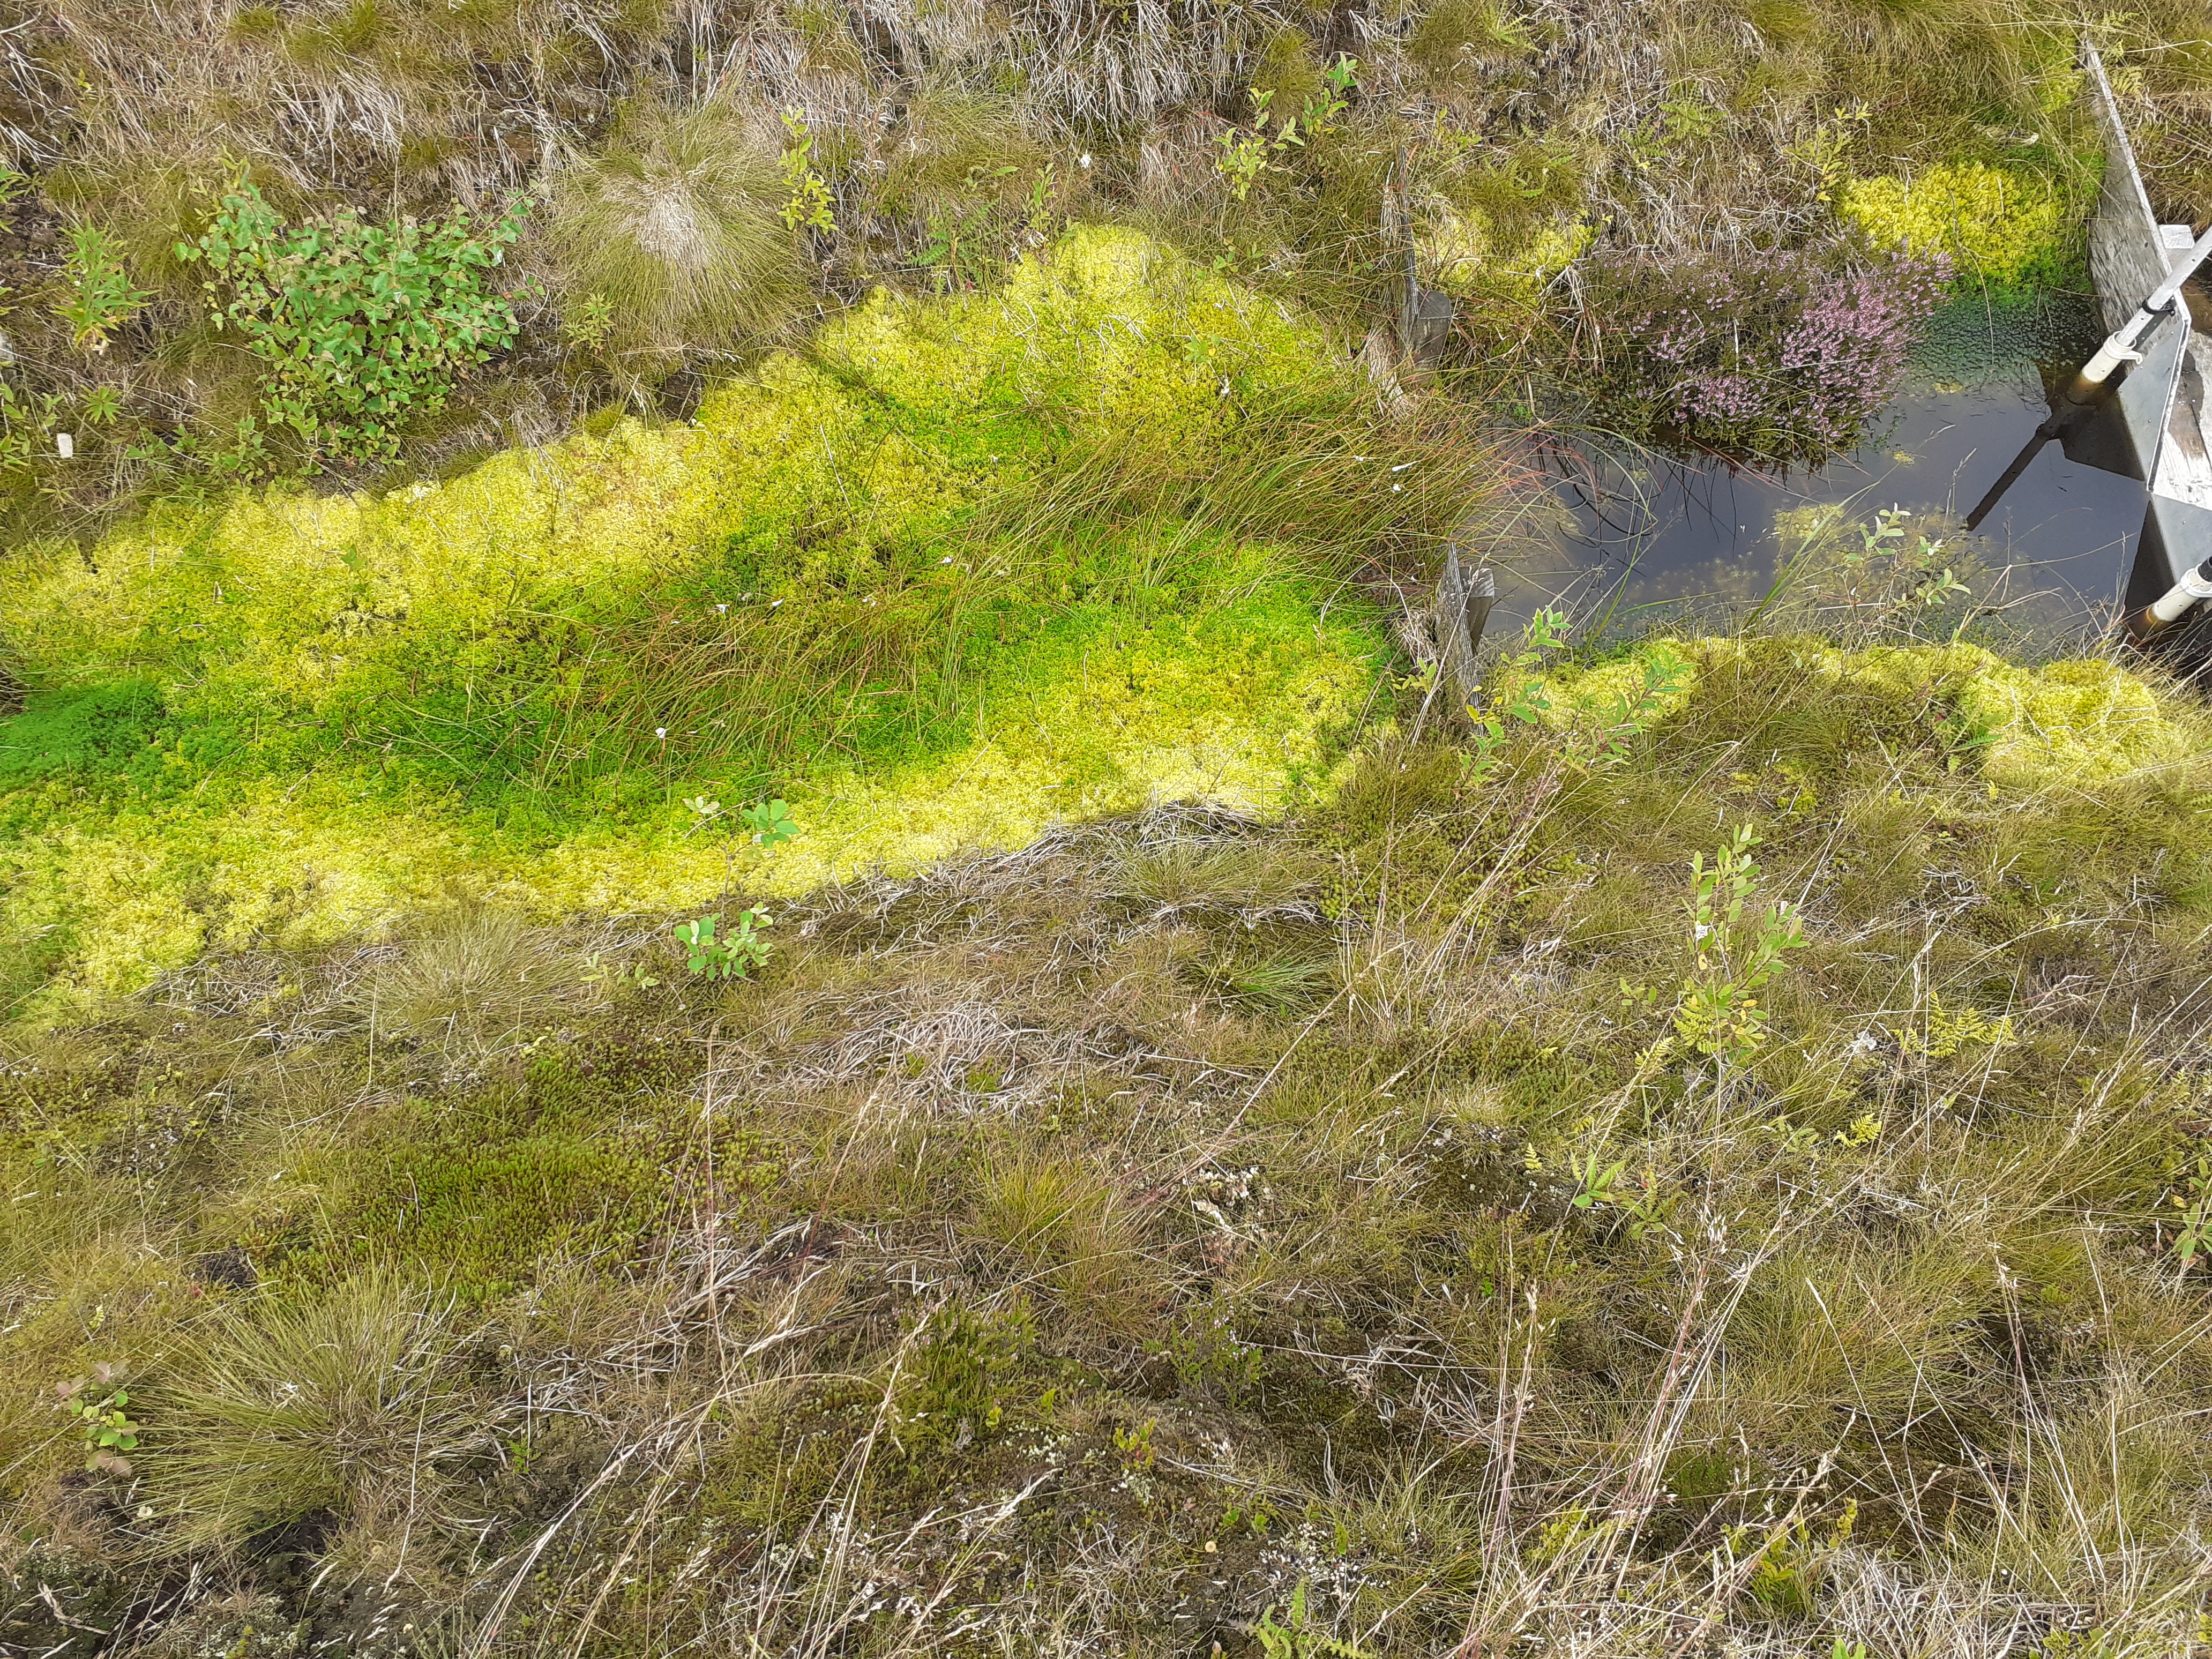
pixel 2119 345
pixel 2075 401
pixel 2195 585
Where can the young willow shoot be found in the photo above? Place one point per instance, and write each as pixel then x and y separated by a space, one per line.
pixel 767 825
pixel 807 205
pixel 1246 152
pixel 1719 1014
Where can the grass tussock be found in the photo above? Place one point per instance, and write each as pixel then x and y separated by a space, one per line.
pixel 1402 1226
pixel 669 239
pixel 352 1404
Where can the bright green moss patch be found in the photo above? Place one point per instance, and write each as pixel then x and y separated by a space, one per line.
pixel 1661 675
pixel 890 581
pixel 1246 702
pixel 2003 227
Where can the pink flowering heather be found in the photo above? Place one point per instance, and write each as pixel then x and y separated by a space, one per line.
pixel 1785 360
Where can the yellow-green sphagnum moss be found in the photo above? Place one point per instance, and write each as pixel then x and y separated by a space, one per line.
pixel 2075 723
pixel 2002 227
pixel 291 717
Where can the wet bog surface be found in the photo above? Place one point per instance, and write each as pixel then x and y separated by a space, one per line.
pixel 1642 538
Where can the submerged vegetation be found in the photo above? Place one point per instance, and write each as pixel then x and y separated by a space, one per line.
pixel 742 909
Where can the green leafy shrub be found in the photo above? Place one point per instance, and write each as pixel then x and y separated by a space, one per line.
pixel 735 954
pixel 28 423
pixel 960 1363
pixel 807 206
pixel 2003 228
pixel 1245 155
pixel 677 228
pixel 107 1429
pixel 358 327
pixel 1720 1013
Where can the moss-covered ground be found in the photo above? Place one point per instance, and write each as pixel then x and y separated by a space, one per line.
pixel 1080 1248
pixel 963 570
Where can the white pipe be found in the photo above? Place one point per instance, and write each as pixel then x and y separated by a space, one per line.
pixel 2194 585
pixel 2120 346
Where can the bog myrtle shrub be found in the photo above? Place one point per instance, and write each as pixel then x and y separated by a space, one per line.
pixel 1786 361
pixel 359 326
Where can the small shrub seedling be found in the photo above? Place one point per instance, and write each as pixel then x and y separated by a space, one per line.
pixel 1594 1183
pixel 1135 1446
pixel 598 971
pixel 28 423
pixel 2192 1235
pixel 768 825
pixel 807 206
pixel 589 322
pixel 1519 697
pixel 1246 152
pixel 735 954
pixel 100 298
pixel 108 1431
pixel 1719 1014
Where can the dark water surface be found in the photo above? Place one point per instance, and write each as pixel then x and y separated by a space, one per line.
pixel 1646 540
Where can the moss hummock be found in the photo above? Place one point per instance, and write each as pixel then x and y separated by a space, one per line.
pixel 2006 229
pixel 291 717
pixel 2073 724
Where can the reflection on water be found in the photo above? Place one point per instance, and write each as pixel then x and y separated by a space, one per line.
pixel 1648 540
